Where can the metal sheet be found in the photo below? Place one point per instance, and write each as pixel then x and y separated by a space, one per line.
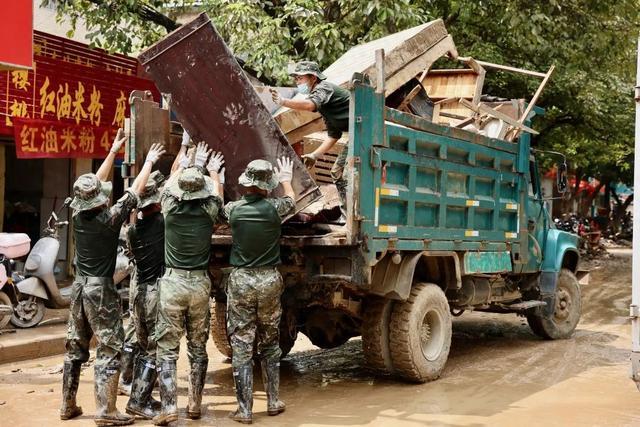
pixel 216 103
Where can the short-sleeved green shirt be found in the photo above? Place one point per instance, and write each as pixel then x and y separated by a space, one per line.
pixel 332 102
pixel 188 225
pixel 255 228
pixel 96 233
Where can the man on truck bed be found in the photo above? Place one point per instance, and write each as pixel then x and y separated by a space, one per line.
pixel 95 305
pixel 255 285
pixel 332 102
pixel 190 205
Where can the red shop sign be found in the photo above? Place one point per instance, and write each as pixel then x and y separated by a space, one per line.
pixel 45 139
pixel 71 88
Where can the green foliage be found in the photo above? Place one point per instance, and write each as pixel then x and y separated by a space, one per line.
pixel 588 102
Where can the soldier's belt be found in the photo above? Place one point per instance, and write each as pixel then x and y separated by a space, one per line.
pixel 92 280
pixel 185 273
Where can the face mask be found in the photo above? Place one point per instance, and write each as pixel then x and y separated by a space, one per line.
pixel 303 88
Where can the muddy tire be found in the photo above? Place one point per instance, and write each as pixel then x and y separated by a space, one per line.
pixel 375 334
pixel 567 310
pixel 5 300
pixel 219 327
pixel 420 334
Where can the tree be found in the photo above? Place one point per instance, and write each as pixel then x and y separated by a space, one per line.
pixel 588 102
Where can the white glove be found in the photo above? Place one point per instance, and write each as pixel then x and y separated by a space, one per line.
pixel 309 160
pixel 120 139
pixel 284 171
pixel 215 162
pixel 276 97
pixel 155 152
pixel 202 154
pixel 183 162
pixel 185 138
pixel 221 175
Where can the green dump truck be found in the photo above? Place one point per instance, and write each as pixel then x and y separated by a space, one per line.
pixel 439 221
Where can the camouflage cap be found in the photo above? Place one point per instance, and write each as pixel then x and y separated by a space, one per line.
pixel 151 192
pixel 259 173
pixel 191 185
pixel 89 192
pixel 307 67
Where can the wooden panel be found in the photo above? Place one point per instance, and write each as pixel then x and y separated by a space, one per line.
pixel 321 171
pixel 450 85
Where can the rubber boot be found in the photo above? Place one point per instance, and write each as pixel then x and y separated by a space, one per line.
pixel 196 385
pixel 141 403
pixel 70 381
pixel 168 394
pixel 243 378
pixel 271 381
pixel 106 393
pixel 129 354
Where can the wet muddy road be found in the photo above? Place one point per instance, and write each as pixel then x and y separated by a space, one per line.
pixel 498 374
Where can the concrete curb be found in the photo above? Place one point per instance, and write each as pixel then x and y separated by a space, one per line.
pixel 25 344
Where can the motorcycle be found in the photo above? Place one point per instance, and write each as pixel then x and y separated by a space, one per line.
pixel 36 287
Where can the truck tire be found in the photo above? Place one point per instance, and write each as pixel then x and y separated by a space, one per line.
pixel 219 327
pixel 420 334
pixel 219 331
pixel 567 311
pixel 375 334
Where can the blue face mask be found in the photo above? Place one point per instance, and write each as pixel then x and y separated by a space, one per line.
pixel 303 88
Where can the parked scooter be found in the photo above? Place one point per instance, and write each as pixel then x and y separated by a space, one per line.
pixel 36 287
pixel 12 245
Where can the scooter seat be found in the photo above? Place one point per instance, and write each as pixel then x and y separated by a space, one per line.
pixel 32 263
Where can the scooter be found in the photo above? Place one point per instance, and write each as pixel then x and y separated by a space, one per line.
pixel 12 245
pixel 36 287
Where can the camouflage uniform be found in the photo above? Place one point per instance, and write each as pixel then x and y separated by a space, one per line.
pixel 332 102
pixel 146 242
pixel 95 304
pixel 190 209
pixel 130 348
pixel 255 287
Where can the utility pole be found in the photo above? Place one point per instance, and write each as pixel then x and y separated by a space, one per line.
pixel 635 276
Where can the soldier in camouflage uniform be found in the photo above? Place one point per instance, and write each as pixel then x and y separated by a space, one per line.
pixel 146 241
pixel 332 102
pixel 95 308
pixel 130 349
pixel 190 205
pixel 255 285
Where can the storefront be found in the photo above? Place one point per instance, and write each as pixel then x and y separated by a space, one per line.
pixel 57 122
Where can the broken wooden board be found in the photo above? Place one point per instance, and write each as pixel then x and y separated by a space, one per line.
pixel 321 171
pixel 407 54
pixel 215 101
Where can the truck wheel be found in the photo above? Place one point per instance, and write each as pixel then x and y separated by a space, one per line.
pixel 219 327
pixel 375 334
pixel 420 334
pixel 567 311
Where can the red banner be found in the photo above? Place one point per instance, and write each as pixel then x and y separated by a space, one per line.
pixel 71 88
pixel 16 48
pixel 45 139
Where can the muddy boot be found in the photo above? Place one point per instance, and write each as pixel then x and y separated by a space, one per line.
pixel 129 354
pixel 106 393
pixel 243 378
pixel 271 381
pixel 141 403
pixel 168 394
pixel 196 385
pixel 70 381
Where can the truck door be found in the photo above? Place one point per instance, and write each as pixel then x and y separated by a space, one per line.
pixel 536 220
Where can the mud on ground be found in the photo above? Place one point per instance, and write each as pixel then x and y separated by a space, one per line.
pixel 498 374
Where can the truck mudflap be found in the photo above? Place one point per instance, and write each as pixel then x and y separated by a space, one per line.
pixel 216 103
